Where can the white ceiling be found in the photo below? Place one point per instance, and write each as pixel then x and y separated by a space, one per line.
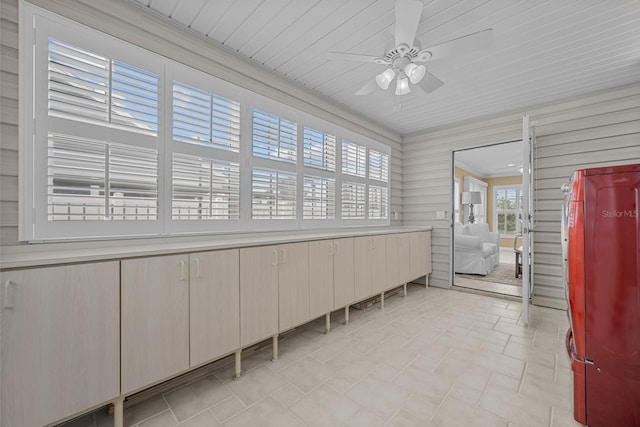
pixel 492 161
pixel 543 50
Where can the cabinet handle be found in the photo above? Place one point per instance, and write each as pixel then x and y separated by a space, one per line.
pixel 284 255
pixel 182 265
pixel 275 257
pixel 8 295
pixel 197 261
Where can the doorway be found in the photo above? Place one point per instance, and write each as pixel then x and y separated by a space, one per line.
pixel 487 197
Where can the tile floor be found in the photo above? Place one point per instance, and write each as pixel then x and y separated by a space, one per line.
pixel 435 358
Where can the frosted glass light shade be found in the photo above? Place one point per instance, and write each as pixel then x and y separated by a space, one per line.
pixel 402 86
pixel 384 79
pixel 415 72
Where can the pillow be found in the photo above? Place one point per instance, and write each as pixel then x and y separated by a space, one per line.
pixel 482 231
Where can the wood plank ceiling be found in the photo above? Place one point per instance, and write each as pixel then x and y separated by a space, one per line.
pixel 543 50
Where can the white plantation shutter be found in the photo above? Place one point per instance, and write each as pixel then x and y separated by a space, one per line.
pixel 378 166
pixel 319 196
pixel 274 137
pixel 378 202
pixel 353 200
pixel 113 176
pixel 78 83
pixel 113 125
pixel 134 98
pixel 98 180
pixel 88 87
pixel 274 194
pixel 204 188
pixel 201 117
pixel 354 159
pixel 319 149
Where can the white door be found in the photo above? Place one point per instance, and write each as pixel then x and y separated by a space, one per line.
pixel 527 218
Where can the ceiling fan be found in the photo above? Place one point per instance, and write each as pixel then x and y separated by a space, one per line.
pixel 404 60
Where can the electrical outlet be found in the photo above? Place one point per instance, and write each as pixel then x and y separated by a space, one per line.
pixel 441 214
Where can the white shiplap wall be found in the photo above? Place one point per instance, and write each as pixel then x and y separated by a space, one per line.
pixel 128 22
pixel 599 129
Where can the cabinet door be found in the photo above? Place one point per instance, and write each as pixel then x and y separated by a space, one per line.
pixel 214 308
pixel 258 293
pixel 404 251
pixel 378 265
pixel 362 267
pixel 321 277
pixel 426 251
pixel 420 255
pixel 343 273
pixel 155 319
pixel 392 242
pixel 60 349
pixel 293 289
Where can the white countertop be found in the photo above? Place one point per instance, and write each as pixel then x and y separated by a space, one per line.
pixel 40 254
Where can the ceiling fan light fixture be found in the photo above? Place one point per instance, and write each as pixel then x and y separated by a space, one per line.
pixel 402 86
pixel 415 72
pixel 384 79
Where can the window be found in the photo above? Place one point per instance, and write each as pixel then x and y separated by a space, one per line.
pixel 319 149
pixel 319 197
pixel 507 209
pixel 274 194
pixel 96 152
pixel 354 159
pixel 353 200
pixel 378 166
pixel 378 202
pixel 274 137
pixel 201 117
pixel 205 161
pixel 204 188
pixel 129 143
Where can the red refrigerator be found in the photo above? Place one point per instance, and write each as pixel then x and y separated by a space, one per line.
pixel 601 249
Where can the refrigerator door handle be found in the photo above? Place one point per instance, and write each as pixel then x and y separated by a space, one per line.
pixel 571 350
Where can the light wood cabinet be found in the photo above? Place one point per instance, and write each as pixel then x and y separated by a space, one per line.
pixel 214 308
pixel 398 259
pixel 293 285
pixel 370 266
pixel 343 273
pixel 378 264
pixel 258 293
pixel 420 254
pixel 321 277
pixel 155 319
pixel 60 341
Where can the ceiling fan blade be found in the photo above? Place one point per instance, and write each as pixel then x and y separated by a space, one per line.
pixel 465 44
pixel 429 83
pixel 369 87
pixel 341 56
pixel 408 14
